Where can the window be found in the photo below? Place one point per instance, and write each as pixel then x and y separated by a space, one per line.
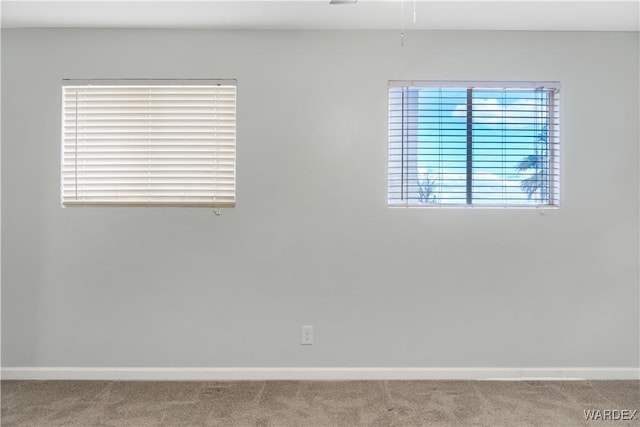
pixel 473 144
pixel 149 143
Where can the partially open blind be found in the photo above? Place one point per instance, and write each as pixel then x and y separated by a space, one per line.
pixel 149 143
pixel 473 143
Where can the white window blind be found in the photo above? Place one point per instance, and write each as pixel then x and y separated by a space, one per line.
pixel 149 143
pixel 473 143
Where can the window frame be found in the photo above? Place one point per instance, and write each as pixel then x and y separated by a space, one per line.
pixel 553 135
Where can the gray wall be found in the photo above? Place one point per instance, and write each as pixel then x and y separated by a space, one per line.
pixel 311 240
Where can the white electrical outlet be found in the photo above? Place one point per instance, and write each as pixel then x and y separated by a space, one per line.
pixel 307 335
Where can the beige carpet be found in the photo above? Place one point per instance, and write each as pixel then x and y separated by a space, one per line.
pixel 317 403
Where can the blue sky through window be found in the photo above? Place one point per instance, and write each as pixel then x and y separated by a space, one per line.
pixel 508 125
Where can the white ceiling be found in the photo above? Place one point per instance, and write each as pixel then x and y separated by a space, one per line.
pixel 315 14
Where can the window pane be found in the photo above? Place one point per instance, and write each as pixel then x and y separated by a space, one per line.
pixel 442 146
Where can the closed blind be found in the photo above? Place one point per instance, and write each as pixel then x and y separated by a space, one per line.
pixel 149 143
pixel 473 143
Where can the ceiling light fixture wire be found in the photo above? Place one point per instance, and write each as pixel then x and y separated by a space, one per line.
pixel 415 19
pixel 402 23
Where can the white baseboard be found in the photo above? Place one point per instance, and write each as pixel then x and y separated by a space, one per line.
pixel 228 374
